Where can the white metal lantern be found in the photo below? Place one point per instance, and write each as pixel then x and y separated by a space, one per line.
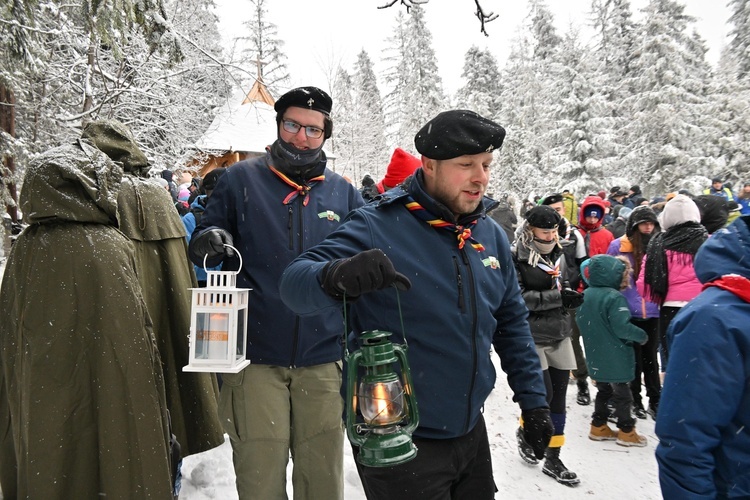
pixel 218 324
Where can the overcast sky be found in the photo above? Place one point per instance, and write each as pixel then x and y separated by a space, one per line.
pixel 321 35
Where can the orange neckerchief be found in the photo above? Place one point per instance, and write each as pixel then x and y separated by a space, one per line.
pixel 303 189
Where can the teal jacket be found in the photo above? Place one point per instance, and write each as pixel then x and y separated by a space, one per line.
pixel 604 322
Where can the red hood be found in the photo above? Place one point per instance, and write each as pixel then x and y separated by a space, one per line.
pixel 588 202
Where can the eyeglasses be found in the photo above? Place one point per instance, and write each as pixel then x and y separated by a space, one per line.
pixel 293 127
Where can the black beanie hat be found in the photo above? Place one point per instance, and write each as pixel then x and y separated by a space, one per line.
pixel 543 217
pixel 212 178
pixel 307 98
pixel 714 211
pixel 640 214
pixel 456 133
pixel 552 198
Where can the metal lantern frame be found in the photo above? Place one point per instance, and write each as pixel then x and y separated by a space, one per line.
pixel 385 399
pixel 218 323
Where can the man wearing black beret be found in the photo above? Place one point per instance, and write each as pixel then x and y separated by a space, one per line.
pixel 431 233
pixel 272 209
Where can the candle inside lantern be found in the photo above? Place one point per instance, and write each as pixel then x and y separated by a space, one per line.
pixel 381 403
pixel 213 335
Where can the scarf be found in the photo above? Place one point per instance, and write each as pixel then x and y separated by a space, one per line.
pixel 738 285
pixel 684 239
pixel 552 270
pixel 294 162
pixel 462 232
pixel 301 177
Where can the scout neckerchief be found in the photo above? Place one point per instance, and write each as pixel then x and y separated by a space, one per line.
pixel 738 285
pixel 299 189
pixel 463 233
pixel 552 271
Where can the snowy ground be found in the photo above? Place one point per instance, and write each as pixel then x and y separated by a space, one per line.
pixel 606 469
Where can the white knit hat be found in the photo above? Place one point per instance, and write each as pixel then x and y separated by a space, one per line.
pixel 678 210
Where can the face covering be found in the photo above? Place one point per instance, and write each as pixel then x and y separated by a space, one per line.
pixel 293 160
pixel 544 247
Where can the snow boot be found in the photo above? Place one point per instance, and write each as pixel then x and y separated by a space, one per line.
pixel 639 412
pixel 602 433
pixel 554 468
pixel 525 449
pixel 631 438
pixel 583 398
pixel 653 407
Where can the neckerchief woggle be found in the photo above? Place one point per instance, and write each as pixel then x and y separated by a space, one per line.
pixel 734 283
pixel 463 233
pixel 299 189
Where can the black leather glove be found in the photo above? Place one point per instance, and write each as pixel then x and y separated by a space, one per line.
pixel 210 244
pixel 571 299
pixel 537 429
pixel 365 272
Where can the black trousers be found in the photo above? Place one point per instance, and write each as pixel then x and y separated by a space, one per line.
pixel 444 469
pixel 647 364
pixel 666 315
pixel 581 372
pixel 622 400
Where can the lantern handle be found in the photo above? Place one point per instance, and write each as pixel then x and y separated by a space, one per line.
pixel 235 251
pixel 400 317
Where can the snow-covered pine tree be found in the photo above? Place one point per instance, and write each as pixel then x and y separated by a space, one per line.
pixel 370 145
pixel 263 45
pixel 660 131
pixel 483 87
pixel 341 143
pixel 527 105
pixel 739 45
pixel 417 94
pixel 574 157
pixel 614 44
pixel 729 101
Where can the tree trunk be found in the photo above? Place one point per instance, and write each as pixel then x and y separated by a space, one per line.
pixel 8 125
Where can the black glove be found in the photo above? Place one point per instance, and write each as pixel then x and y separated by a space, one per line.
pixel 365 272
pixel 537 429
pixel 210 244
pixel 571 299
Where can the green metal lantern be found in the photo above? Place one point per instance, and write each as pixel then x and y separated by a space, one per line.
pixel 385 400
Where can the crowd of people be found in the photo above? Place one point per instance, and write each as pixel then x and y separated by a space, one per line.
pixel 617 292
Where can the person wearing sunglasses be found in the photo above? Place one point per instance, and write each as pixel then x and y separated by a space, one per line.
pixel 272 209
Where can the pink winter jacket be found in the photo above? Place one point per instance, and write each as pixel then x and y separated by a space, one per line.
pixel 683 284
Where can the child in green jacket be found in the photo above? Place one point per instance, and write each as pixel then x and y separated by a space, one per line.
pixel 608 337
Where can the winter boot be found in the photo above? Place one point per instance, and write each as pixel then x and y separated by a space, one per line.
pixel 525 449
pixel 554 468
pixel 631 438
pixel 583 398
pixel 639 412
pixel 602 433
pixel 653 407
